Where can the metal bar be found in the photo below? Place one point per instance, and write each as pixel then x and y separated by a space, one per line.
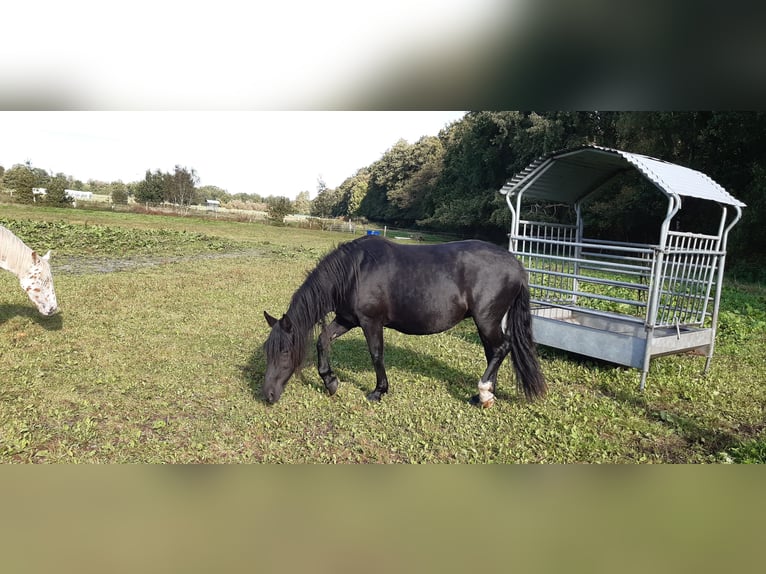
pixel 586 243
pixel 618 243
pixel 674 204
pixel 549 224
pixel 514 223
pixel 606 258
pixel 719 240
pixel 596 312
pixel 605 265
pixel 590 279
pixel 594 296
pixel 669 281
pixel 692 234
pixel 695 282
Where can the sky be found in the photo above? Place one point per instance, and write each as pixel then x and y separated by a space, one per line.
pixel 264 152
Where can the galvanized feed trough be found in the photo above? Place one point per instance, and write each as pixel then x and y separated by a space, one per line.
pixel 620 302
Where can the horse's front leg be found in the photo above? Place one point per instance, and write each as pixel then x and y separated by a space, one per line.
pixel 373 332
pixel 326 337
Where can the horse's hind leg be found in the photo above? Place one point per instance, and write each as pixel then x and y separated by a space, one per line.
pixel 326 337
pixel 496 348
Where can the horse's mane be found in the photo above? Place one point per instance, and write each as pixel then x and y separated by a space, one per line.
pixel 15 256
pixel 326 287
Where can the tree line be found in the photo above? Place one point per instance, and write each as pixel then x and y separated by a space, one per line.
pixel 179 187
pixel 450 182
pixel 24 179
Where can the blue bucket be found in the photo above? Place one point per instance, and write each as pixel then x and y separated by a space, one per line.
pixel 373 232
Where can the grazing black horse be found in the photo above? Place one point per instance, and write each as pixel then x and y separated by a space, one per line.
pixel 418 290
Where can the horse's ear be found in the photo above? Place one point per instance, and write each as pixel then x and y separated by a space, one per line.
pixel 47 256
pixel 269 319
pixel 286 324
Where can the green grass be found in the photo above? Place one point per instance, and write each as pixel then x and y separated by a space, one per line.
pixel 161 362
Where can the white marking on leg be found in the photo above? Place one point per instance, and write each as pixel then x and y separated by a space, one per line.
pixel 486 398
pixel 504 324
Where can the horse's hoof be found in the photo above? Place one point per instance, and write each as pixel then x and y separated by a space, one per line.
pixel 332 386
pixel 476 401
pixel 486 397
pixel 374 397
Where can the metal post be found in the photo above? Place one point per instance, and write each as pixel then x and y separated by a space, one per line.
pixel 578 250
pixel 512 246
pixel 674 204
pixel 719 283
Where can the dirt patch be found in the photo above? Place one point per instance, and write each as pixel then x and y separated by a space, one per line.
pixel 83 265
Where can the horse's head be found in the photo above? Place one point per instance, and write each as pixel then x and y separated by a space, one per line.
pixel 282 356
pixel 37 281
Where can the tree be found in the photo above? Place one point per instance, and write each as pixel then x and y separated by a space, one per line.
pixel 451 182
pixel 21 179
pixel 424 170
pixel 56 191
pixel 213 192
pixel 180 186
pixel 387 175
pixel 119 193
pixel 352 192
pixel 279 207
pixel 326 202
pixel 302 203
pixel 151 188
pixel 98 187
pixel 248 197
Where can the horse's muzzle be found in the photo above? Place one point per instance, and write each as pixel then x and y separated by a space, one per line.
pixel 271 396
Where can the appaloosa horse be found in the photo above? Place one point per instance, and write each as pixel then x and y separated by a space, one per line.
pixel 33 271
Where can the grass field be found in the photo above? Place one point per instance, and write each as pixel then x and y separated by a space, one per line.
pixel 156 357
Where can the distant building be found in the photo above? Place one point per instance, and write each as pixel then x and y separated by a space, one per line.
pixel 212 204
pixel 73 193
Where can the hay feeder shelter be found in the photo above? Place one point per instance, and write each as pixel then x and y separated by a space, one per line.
pixel 621 302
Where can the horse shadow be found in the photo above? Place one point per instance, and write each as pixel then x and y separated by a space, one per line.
pixel 351 362
pixel 689 432
pixel 52 323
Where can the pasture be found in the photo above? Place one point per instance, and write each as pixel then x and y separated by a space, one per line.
pixel 156 357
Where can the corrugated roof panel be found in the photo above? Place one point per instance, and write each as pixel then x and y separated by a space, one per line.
pixel 684 181
pixel 570 175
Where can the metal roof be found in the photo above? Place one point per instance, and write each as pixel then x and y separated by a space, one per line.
pixel 571 175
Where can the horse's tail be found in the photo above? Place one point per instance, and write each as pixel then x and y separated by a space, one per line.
pixel 529 377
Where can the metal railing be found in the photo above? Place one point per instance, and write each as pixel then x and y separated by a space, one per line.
pixel 607 277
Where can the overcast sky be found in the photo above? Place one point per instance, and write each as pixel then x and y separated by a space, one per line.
pixel 269 153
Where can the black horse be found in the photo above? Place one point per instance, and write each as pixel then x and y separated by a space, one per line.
pixel 418 290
